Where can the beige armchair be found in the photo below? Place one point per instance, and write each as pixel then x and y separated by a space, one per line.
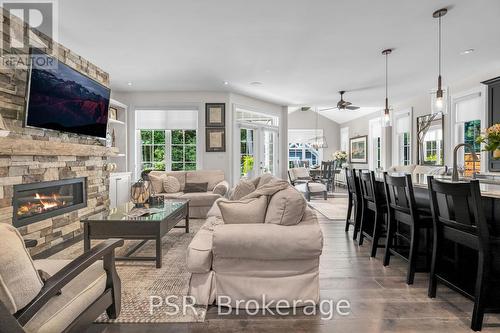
pixel 66 297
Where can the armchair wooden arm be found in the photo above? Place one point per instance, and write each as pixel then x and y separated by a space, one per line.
pixel 104 250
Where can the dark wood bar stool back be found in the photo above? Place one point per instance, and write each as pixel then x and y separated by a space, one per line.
pixel 402 210
pixel 373 211
pixel 458 217
pixel 354 208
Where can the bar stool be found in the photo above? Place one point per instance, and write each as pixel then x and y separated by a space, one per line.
pixel 374 204
pixel 458 217
pixel 354 208
pixel 402 210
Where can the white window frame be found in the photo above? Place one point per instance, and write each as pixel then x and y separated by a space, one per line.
pixel 371 146
pixel 454 135
pixel 344 139
pixel 396 148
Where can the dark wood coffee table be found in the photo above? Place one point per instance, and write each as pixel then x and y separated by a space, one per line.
pixel 117 223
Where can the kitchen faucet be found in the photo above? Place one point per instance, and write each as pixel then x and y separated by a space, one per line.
pixel 454 176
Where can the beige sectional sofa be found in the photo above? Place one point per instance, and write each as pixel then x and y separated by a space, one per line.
pixel 200 202
pixel 275 254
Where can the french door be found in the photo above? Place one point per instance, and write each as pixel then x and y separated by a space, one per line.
pixel 258 149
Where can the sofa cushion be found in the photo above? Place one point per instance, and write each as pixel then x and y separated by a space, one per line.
pixel 286 207
pixel 19 279
pixel 76 296
pixel 313 187
pixel 195 187
pixel 243 211
pixel 156 181
pixel 212 177
pixel 243 188
pixel 221 188
pixel 199 253
pixel 171 184
pixel 200 199
pixel 301 173
pixel 180 175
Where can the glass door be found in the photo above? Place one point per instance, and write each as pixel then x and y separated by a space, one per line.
pixel 268 156
pixel 247 152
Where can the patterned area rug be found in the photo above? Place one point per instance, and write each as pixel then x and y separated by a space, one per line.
pixel 332 209
pixel 142 280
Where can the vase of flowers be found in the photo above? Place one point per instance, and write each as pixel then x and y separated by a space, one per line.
pixel 491 140
pixel 340 156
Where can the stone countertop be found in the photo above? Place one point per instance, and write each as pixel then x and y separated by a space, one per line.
pixel 489 188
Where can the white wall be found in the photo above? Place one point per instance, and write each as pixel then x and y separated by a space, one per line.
pixel 194 100
pixel 307 120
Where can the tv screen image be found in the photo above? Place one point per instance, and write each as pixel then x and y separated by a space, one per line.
pixel 63 99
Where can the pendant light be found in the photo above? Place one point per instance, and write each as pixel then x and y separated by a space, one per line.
pixel 318 141
pixel 439 98
pixel 386 112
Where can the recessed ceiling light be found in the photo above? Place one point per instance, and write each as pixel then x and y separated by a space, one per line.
pixel 129 83
pixel 468 51
pixel 225 83
pixel 256 83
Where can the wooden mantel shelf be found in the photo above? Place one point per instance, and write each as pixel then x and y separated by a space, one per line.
pixel 10 147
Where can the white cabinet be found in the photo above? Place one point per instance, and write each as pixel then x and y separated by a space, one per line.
pixel 119 188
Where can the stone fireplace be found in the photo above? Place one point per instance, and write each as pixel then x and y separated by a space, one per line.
pixel 34 161
pixel 38 201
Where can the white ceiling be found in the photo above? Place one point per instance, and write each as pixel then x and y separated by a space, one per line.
pixel 302 51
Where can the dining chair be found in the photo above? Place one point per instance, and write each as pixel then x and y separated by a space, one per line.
pixel 354 208
pixel 403 211
pixel 459 218
pixel 373 204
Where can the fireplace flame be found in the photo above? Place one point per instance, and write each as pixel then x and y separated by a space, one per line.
pixel 40 204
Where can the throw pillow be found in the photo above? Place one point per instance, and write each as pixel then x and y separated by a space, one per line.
pixel 220 188
pixel 195 187
pixel 243 211
pixel 20 282
pixel 171 185
pixel 157 182
pixel 243 188
pixel 286 207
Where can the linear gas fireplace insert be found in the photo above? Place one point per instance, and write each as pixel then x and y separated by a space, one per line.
pixel 39 201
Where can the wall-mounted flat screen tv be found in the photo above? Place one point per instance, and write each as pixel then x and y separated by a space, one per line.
pixel 63 99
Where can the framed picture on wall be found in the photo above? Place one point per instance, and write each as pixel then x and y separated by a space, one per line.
pixel 215 114
pixel 358 149
pixel 215 139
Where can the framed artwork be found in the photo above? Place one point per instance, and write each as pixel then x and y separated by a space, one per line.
pixel 113 112
pixel 215 114
pixel 359 149
pixel 215 139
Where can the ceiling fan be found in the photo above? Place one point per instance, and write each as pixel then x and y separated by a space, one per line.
pixel 342 105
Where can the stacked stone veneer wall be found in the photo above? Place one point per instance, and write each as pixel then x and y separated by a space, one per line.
pixel 22 169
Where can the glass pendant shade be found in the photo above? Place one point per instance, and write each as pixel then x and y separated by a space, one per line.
pixel 386 118
pixel 439 102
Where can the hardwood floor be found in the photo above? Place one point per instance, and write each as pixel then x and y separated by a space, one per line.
pixel 379 297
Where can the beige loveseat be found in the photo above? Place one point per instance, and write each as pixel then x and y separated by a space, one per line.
pixel 200 202
pixel 277 258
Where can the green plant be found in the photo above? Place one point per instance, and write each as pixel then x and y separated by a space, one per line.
pixel 248 161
